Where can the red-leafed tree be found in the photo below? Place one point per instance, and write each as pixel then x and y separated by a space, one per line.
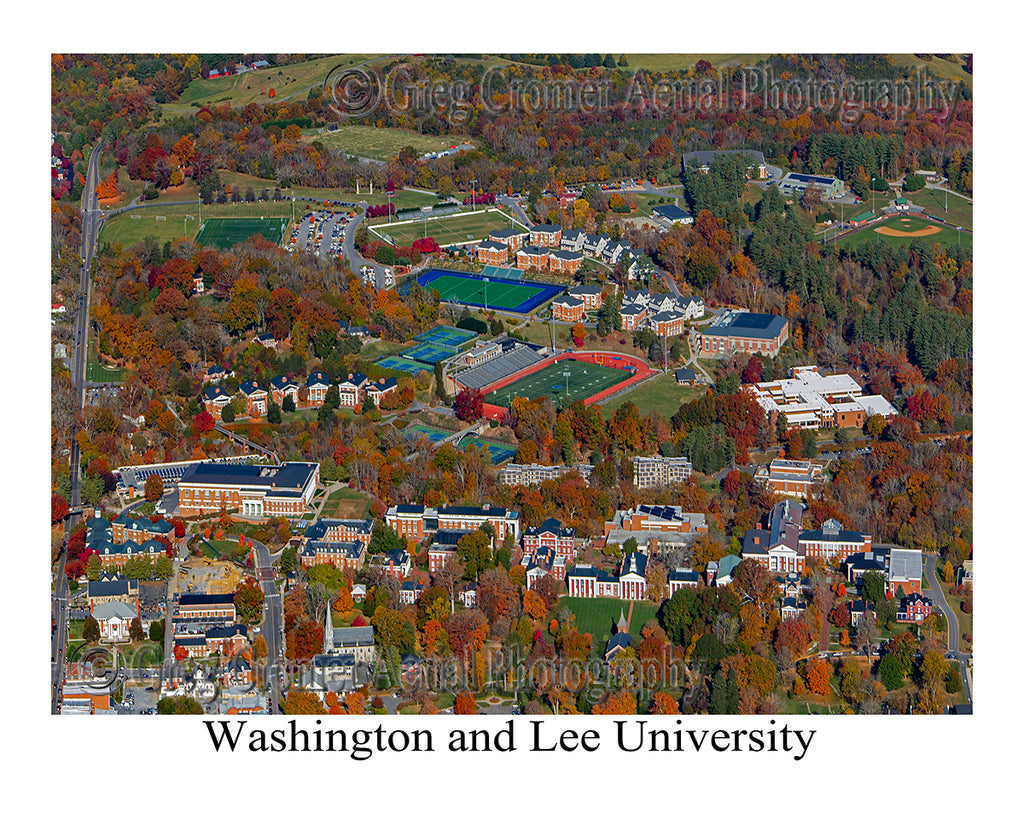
pixel 465 703
pixel 58 508
pixel 469 405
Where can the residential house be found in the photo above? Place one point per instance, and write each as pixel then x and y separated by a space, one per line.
pixel 255 398
pixel 913 608
pixel 377 390
pixel 281 386
pixel 317 384
pixel 215 399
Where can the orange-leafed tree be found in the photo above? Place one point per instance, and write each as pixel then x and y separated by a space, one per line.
pixel 534 605
pixel 662 703
pixel 619 702
pixel 465 703
pixel 106 188
pixel 818 674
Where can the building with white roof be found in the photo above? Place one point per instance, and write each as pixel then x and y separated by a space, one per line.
pixel 810 400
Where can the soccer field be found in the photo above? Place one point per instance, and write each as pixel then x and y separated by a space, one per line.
pixel 584 378
pixel 446 230
pixel 224 233
pixel 478 291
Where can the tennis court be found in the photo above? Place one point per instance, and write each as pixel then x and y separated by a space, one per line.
pixel 497 453
pixel 446 336
pixel 584 380
pixel 433 433
pixel 479 291
pixel 404 365
pixel 429 353
pixel 225 233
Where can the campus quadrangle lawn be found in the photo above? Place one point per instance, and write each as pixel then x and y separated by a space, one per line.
pixel 585 379
pixel 598 617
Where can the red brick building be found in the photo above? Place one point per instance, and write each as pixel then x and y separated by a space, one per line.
pixel 492 252
pixel 565 261
pixel 567 308
pixel 546 235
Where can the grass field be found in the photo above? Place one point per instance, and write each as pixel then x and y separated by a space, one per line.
pixel 908 224
pixel 446 230
pixel 597 617
pixel 660 394
pixel 346 503
pixel 380 143
pixel 143 223
pixel 225 233
pixel 254 86
pixel 961 212
pixel 585 379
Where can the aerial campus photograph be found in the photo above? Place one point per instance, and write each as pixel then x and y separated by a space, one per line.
pixel 511 384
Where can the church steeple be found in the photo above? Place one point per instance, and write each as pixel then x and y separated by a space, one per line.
pixel 622 625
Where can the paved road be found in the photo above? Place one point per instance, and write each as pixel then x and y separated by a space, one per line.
pixel 272 627
pixel 938 597
pixel 91 219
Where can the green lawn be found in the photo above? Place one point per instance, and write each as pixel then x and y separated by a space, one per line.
pixel 960 211
pixel 380 143
pixel 98 373
pixel 347 504
pixel 598 617
pixel 446 230
pixel 380 349
pixel 225 233
pixel 254 86
pixel 168 222
pixel 944 236
pixel 660 394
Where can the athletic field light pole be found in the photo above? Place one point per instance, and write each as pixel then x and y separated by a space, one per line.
pixel 472 197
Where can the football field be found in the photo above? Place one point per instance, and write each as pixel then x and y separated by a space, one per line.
pixel 224 233
pixel 480 291
pixel 446 230
pixel 584 379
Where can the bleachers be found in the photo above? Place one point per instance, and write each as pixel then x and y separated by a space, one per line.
pixel 508 364
pixel 135 476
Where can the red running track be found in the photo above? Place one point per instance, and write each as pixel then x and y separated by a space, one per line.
pixel 619 361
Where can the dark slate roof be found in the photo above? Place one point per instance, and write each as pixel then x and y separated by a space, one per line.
pixel 566 255
pixel 672 212
pixel 552 525
pixel 317 377
pixel 683 576
pixel 504 233
pixel 447 538
pixel 748 325
pixel 472 511
pixel 588 289
pixel 621 639
pixel 285 476
pixel 705 157
pixel 350 549
pixel 191 599
pixel 410 509
pixel 569 301
pixel 224 632
pixel 250 387
pixel 214 391
pixel 322 526
pixel 545 229
pixel 108 588
pixel 491 244
pixel 279 382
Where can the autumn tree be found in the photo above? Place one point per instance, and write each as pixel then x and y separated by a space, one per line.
pixel 465 703
pixel 154 489
pixel 249 601
pixel 662 703
pixel 818 673
pixel 91 629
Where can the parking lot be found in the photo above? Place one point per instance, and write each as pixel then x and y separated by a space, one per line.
pixel 320 233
